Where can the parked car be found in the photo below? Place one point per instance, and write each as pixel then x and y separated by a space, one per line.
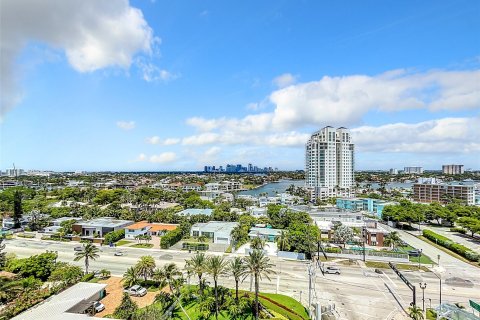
pixel 136 291
pixel 118 253
pixel 332 270
pixel 414 253
pixel 78 248
pixel 98 306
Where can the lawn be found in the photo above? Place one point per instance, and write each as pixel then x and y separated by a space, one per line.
pixel 142 245
pixel 424 259
pixel 273 302
pixel 400 266
pixel 122 243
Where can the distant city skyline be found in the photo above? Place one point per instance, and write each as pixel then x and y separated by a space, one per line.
pixel 177 85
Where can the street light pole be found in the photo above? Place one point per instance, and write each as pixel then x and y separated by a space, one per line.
pixel 423 286
pixel 419 255
pixel 440 283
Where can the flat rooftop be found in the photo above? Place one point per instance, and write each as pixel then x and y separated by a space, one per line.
pixel 195 212
pixel 106 222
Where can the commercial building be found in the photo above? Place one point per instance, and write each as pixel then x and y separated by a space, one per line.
pixel 99 226
pixel 443 193
pixel 375 235
pixel 75 302
pixel 143 228
pixel 329 163
pixel 453 169
pixel 56 224
pixel 393 171
pixel 417 170
pixel 218 231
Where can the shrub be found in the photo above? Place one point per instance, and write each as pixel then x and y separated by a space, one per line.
pixel 87 277
pixel 170 238
pixel 195 246
pixel 25 235
pixel 459 230
pixel 449 244
pixel 114 236
pixel 333 250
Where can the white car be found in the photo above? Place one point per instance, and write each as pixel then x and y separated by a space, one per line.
pixel 98 306
pixel 332 270
pixel 136 291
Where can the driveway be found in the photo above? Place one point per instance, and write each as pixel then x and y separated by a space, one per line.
pixel 114 296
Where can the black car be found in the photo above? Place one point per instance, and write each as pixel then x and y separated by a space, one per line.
pixel 414 253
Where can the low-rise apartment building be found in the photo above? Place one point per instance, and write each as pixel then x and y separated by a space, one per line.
pixel 267 234
pixel 443 193
pixel 374 206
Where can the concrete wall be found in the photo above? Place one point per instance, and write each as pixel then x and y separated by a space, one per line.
pixel 370 256
pixel 291 255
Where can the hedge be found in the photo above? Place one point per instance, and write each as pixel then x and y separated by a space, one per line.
pixel 449 244
pixel 195 246
pixel 170 238
pixel 114 236
pixel 459 230
pixel 87 277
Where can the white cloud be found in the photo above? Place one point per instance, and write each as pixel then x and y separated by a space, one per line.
pixel 152 73
pixel 344 101
pixel 284 80
pixel 153 140
pixel 164 157
pixel 166 142
pixel 171 141
pixel 213 151
pixel 126 125
pixel 93 34
pixel 141 157
pixel 447 135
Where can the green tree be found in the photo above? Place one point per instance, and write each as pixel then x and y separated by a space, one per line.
pixel 237 269
pixel 39 266
pixel 3 258
pixel 392 239
pixel 216 266
pixel 282 241
pixel 17 209
pixel 67 226
pixel 470 223
pixel 126 309
pixel 196 265
pixel 145 267
pixel 66 273
pixel 258 243
pixel 415 313
pixel 169 273
pixel 89 252
pixel 258 265
pixel 343 234
pixel 130 277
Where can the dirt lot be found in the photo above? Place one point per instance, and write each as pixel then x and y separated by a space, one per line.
pixel 114 296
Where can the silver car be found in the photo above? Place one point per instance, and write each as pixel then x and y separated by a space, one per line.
pixel 332 270
pixel 136 291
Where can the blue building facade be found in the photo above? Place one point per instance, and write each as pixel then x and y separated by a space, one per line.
pixel 373 206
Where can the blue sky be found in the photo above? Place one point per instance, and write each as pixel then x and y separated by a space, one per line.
pixel 176 85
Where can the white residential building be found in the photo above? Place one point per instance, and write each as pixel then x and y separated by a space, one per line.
pixel 329 167
pixel 219 231
pixel 417 170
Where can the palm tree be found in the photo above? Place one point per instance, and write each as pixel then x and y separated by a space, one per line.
pixel 282 240
pixel 168 273
pixel 216 266
pixel 237 270
pixel 258 265
pixel 197 265
pixel 392 239
pixel 89 251
pixel 416 313
pixel 258 243
pixel 130 277
pixel 145 266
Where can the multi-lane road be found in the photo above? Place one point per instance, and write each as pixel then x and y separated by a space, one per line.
pixel 357 293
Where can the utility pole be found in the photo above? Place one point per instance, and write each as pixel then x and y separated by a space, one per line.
pixel 311 277
pixel 364 236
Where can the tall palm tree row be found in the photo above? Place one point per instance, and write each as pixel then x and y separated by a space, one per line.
pixel 89 252
pixel 237 269
pixel 258 265
pixel 196 265
pixel 216 266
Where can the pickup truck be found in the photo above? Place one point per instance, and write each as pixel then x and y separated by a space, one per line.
pixel 136 291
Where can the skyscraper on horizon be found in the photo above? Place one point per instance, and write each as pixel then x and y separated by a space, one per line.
pixel 329 163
